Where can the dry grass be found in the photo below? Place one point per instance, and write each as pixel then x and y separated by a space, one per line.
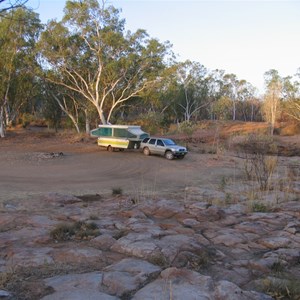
pixel 290 129
pixel 78 230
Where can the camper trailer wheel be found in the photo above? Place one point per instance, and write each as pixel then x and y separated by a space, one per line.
pixel 146 151
pixel 110 148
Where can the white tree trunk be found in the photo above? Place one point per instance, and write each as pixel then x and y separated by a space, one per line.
pixel 2 127
pixel 87 122
pixel 65 109
pixel 102 117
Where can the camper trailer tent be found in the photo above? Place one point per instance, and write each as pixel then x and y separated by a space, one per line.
pixel 119 136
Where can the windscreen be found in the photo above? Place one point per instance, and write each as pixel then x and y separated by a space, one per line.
pixel 169 142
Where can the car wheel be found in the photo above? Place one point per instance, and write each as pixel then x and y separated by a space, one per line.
pixel 169 155
pixel 146 151
pixel 110 148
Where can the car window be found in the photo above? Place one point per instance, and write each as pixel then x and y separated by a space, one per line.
pixel 152 141
pixel 145 140
pixel 169 142
pixel 160 143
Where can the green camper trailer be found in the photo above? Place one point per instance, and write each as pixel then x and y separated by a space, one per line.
pixel 119 136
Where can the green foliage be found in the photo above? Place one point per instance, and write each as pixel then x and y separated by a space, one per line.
pixel 95 66
pixel 153 122
pixel 19 84
pixel 222 108
pixel 90 53
pixel 190 86
pixel 52 113
pixel 259 207
pixel 26 119
pixel 187 128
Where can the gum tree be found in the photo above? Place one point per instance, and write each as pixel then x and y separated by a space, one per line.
pixel 246 100
pixel 90 54
pixel 271 105
pixel 291 95
pixel 6 5
pixel 190 89
pixel 19 30
pixel 230 88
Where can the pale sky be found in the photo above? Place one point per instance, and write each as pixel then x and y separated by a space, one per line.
pixel 246 38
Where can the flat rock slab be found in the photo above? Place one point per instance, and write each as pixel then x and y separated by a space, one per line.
pixel 189 285
pixel 135 244
pixel 127 276
pixel 77 287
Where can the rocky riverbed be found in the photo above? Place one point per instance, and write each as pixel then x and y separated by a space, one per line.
pixel 59 246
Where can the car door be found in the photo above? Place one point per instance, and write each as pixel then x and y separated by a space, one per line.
pixel 152 146
pixel 160 147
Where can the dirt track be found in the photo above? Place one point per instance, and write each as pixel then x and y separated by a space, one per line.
pixel 85 169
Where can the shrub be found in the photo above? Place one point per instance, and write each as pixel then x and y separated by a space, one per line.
pixel 62 232
pixel 26 119
pixel 261 160
pixel 117 191
pixel 259 207
pixel 187 128
pixel 78 230
pixel 285 288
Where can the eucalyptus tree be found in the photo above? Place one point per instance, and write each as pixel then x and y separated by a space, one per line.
pixel 215 90
pixel 156 106
pixel 246 100
pixel 230 88
pixel 50 109
pixel 90 54
pixel 283 95
pixel 6 5
pixel 291 95
pixel 19 30
pixel 192 85
pixel 272 98
pixel 293 109
pixel 63 99
pixel 222 109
